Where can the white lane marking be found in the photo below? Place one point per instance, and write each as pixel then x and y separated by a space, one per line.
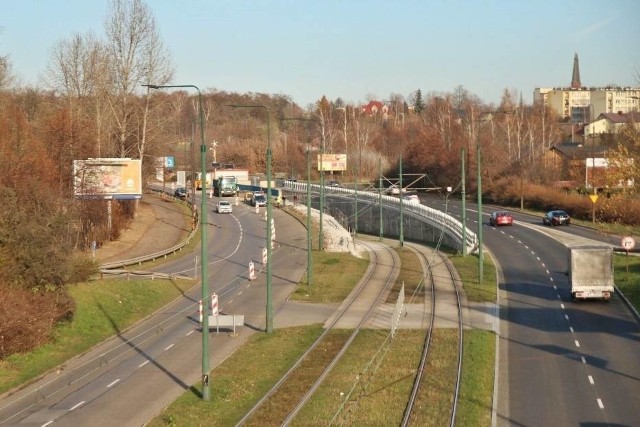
pixel 566 316
pixel 76 406
pixel 583 360
pixel 571 329
pixel 190 332
pixel 143 363
pixel 169 346
pixel 577 343
pixel 600 404
pixel 113 383
pixel 562 306
pixel 240 293
pixel 591 380
pixel 230 301
pixel 47 423
pixel 554 286
pixel 558 295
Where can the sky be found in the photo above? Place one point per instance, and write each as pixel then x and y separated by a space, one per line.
pixel 357 50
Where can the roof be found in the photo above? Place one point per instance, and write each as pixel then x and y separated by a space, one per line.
pixel 577 150
pixel 618 118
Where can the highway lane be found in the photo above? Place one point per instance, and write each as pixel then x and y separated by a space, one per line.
pixel 561 362
pixel 129 379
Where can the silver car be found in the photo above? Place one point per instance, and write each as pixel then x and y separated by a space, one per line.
pixel 224 207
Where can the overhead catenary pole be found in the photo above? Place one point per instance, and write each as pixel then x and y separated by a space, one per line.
pixel 269 232
pixel 309 243
pixel 464 208
pixel 203 243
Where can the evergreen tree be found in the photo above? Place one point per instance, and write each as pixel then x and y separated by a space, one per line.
pixel 419 103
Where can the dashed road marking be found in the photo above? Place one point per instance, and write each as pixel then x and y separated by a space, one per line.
pixel 76 406
pixel 112 383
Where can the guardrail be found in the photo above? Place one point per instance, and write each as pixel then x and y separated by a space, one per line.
pixel 107 266
pixel 439 219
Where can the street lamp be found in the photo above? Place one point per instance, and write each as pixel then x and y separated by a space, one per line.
pixel 269 309
pixel 480 246
pixel 203 242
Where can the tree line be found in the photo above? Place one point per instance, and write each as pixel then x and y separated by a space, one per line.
pixel 93 104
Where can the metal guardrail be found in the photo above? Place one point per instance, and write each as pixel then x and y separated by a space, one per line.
pixel 439 219
pixel 107 266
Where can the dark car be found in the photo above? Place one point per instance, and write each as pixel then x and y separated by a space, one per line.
pixel 180 193
pixel 500 218
pixel 333 183
pixel 557 217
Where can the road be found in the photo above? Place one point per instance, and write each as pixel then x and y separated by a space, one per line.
pixel 560 362
pixel 129 379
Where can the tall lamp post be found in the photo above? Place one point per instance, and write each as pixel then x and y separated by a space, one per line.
pixel 480 246
pixel 203 242
pixel 269 309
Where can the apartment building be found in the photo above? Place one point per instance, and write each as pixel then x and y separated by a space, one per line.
pixel 581 104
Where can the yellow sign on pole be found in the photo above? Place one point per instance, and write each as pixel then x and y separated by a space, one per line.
pixel 594 198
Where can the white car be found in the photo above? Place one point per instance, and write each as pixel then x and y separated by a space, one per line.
pixel 411 198
pixel 224 207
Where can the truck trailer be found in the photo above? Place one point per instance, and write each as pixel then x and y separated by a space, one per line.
pixel 591 272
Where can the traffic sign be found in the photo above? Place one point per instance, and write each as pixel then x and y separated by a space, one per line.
pixel 628 243
pixel 594 198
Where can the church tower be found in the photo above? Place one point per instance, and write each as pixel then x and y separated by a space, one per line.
pixel 575 78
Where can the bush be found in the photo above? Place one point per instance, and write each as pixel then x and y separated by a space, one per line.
pixel 27 317
pixel 611 207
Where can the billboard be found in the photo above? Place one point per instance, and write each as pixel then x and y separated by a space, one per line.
pixel 332 162
pixel 108 178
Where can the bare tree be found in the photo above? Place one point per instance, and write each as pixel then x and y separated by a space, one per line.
pixel 6 78
pixel 137 57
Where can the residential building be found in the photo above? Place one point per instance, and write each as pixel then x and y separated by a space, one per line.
pixel 611 123
pixel 581 104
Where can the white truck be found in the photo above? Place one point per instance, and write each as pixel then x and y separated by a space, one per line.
pixel 591 272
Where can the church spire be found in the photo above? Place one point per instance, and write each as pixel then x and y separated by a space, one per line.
pixel 575 78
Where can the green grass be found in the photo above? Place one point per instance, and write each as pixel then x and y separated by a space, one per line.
pixel 627 277
pixel 467 268
pixel 103 308
pixel 335 274
pixel 240 381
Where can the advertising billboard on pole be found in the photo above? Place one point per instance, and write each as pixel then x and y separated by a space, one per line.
pixel 107 178
pixel 332 162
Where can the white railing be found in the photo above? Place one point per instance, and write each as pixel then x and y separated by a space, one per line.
pixel 439 219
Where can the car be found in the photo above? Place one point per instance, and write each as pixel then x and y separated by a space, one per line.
pixel 556 217
pixel 500 218
pixel 224 207
pixel 393 190
pixel 180 193
pixel 411 198
pixel 333 183
pixel 259 199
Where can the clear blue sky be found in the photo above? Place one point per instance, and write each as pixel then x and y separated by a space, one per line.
pixel 357 49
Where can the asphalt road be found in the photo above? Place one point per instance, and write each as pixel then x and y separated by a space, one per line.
pixel 560 362
pixel 129 379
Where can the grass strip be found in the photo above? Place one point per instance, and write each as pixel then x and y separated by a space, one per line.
pixel 335 274
pixel 240 381
pixel 103 308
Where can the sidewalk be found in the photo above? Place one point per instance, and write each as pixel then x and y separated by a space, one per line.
pixel 160 223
